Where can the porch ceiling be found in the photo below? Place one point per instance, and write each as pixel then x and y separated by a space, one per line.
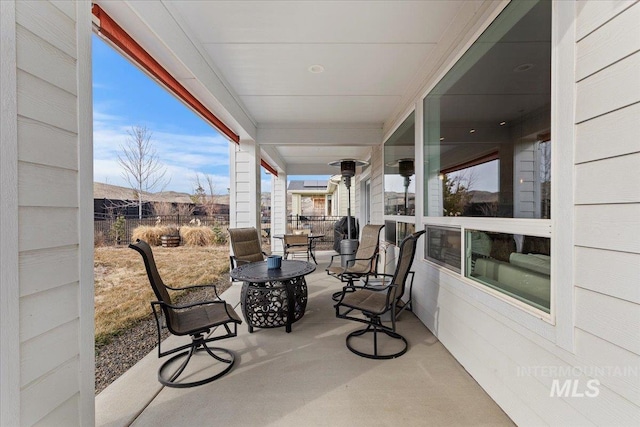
pixel 249 61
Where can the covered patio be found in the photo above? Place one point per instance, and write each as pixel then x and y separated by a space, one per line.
pixel 309 377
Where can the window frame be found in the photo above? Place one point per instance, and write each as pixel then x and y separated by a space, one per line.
pixel 545 324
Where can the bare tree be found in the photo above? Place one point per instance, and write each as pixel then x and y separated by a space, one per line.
pixel 205 196
pixel 141 167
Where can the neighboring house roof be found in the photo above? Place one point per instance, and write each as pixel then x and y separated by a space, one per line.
pixel 308 185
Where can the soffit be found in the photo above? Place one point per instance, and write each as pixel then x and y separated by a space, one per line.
pixel 373 52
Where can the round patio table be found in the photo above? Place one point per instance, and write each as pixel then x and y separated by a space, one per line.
pixel 272 298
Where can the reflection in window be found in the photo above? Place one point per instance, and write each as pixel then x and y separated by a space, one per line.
pixel 443 246
pixel 405 229
pixel 399 170
pixel 487 122
pixel 513 264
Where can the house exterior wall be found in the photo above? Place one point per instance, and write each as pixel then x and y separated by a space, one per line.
pixel 278 210
pixel 47 259
pixel 595 332
pixel 244 200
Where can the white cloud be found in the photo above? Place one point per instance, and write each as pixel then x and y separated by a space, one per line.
pixel 184 155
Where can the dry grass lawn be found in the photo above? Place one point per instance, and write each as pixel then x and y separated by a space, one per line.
pixel 122 290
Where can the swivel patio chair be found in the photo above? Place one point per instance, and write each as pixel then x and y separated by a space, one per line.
pixel 375 301
pixel 195 319
pixel 366 258
pixel 246 247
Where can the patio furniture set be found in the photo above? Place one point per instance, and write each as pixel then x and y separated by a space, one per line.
pixel 274 294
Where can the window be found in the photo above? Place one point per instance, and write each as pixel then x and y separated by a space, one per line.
pixel 399 185
pixel 516 265
pixel 487 123
pixel 444 246
pixel 487 155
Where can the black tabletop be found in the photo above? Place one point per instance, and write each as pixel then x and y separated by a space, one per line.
pixel 257 272
pixel 311 236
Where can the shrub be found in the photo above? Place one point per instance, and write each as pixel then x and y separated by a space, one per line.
pixel 118 229
pixel 151 234
pixel 220 235
pixel 197 236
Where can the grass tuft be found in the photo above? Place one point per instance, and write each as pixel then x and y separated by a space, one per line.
pixel 152 234
pixel 197 236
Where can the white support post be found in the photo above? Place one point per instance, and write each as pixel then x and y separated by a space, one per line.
pixel 278 210
pixel 244 186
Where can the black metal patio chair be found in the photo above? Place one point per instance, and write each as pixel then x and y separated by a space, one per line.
pixel 197 319
pixel 374 301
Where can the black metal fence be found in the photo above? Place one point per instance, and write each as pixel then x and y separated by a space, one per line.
pixel 110 230
pixel 319 224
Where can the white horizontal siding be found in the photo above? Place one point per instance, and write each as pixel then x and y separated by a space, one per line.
pixel 64 415
pixel 42 101
pixel 610 135
pixel 44 227
pixel 608 181
pixel 612 319
pixel 47 145
pixel 43 60
pixel 47 119
pixel 591 15
pixel 613 227
pixel 44 311
pixel 505 356
pixel 609 272
pixel 45 269
pixel 49 392
pixel 49 23
pixel 61 344
pixel 47 186
pixel 614 87
pixel 615 40
pixel 618 367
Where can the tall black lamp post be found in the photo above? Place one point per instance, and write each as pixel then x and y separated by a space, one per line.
pixel 348 246
pixel 406 170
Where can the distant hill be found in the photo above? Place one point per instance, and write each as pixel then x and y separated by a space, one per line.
pixel 114 192
pixel 483 196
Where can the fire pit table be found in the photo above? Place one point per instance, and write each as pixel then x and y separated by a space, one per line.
pixel 273 297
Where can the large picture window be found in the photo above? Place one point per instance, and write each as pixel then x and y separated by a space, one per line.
pixel 487 123
pixel 487 155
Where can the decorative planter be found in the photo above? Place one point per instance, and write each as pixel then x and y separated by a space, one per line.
pixel 170 241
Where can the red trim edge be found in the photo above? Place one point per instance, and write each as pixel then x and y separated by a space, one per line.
pixel 118 36
pixel 268 167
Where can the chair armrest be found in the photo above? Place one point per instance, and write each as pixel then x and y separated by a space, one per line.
pixel 379 282
pixel 194 304
pixel 348 289
pixel 331 262
pixel 215 290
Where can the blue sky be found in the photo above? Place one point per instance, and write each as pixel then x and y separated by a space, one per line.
pixel 123 96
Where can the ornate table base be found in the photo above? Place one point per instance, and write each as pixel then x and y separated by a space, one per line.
pixel 268 305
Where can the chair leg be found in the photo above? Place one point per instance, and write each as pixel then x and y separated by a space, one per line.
pixel 374 328
pixel 198 345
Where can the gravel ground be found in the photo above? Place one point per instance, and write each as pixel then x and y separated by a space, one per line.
pixel 126 349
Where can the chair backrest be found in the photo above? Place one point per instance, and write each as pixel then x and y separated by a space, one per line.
pixel 155 280
pixel 405 260
pixel 245 244
pixel 368 247
pixel 295 239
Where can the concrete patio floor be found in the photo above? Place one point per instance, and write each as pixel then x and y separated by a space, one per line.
pixel 308 378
